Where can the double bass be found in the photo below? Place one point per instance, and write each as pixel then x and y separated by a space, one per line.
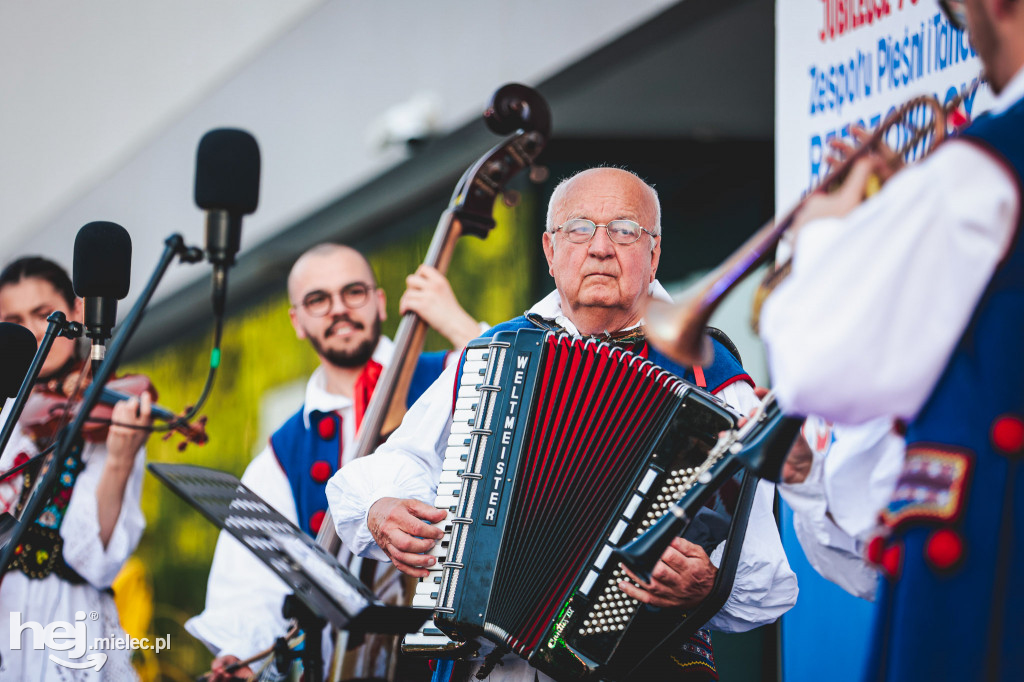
pixel 520 113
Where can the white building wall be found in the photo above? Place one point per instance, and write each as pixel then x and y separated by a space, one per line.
pixel 311 98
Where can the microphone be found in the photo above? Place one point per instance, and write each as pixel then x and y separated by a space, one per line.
pixel 18 348
pixel 227 187
pixel 101 275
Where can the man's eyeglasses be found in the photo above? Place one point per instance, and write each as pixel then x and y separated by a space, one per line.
pixel 956 13
pixel 581 230
pixel 319 303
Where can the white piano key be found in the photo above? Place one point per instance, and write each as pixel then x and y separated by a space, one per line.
pixel 443 502
pixel 427 588
pixel 468 391
pixel 470 403
pixel 463 416
pixel 448 490
pixel 449 476
pixel 424 601
pixel 473 366
pixel 457 462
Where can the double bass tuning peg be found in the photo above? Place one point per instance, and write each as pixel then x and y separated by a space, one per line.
pixel 510 198
pixel 538 174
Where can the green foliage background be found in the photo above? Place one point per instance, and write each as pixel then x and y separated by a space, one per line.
pixel 491 278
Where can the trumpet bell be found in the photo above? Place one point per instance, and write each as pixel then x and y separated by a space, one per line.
pixel 678 332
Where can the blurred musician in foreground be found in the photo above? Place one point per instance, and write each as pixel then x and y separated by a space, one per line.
pixel 603 244
pixel 94 521
pixel 337 307
pixel 912 305
pixel 835 480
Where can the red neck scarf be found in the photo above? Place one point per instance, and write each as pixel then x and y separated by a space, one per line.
pixel 364 387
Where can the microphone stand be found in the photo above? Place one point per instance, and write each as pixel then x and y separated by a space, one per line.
pixel 58 326
pixel 67 440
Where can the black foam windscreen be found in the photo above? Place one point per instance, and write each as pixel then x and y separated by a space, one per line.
pixel 228 172
pixel 103 261
pixel 17 348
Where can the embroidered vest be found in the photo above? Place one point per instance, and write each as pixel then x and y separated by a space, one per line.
pixel 309 457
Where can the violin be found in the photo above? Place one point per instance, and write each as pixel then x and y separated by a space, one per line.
pixel 51 404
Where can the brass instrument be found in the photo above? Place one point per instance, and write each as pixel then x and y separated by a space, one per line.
pixel 907 134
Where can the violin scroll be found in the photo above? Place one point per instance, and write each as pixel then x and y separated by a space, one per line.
pixel 514 107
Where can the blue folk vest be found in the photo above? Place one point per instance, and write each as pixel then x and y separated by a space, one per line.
pixel 953 603
pixel 309 457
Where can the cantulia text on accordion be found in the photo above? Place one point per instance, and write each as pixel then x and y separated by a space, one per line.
pixel 561 450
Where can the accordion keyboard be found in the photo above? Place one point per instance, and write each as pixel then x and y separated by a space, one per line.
pixel 465 424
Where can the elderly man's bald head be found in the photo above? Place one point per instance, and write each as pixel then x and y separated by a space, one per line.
pixel 339 256
pixel 623 178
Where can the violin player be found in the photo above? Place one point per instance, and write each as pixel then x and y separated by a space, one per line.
pixel 68 559
pixel 911 305
pixel 337 306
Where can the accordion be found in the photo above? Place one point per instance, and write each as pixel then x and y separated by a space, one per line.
pixel 560 451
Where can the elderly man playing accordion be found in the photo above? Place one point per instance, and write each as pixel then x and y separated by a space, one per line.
pixel 602 245
pixel 917 302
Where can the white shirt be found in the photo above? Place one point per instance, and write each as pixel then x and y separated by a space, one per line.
pixel 51 599
pixel 243 596
pixel 408 465
pixel 835 510
pixel 877 301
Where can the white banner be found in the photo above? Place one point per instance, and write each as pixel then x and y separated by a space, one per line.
pixel 840 62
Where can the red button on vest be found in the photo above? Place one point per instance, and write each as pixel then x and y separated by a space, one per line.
pixel 944 548
pixel 876 547
pixel 892 560
pixel 317 520
pixel 320 471
pixel 327 427
pixel 1008 434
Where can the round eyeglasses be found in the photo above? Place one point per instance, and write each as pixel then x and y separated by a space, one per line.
pixel 581 230
pixel 956 13
pixel 318 303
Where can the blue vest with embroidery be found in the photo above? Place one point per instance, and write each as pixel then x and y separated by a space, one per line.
pixel 953 604
pixel 309 457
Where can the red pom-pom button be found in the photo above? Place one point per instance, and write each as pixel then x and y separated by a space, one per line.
pixel 20 459
pixel 944 548
pixel 958 118
pixel 317 520
pixel 875 549
pixel 327 427
pixel 320 471
pixel 1008 434
pixel 892 560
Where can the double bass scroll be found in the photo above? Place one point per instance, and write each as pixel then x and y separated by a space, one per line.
pixel 522 114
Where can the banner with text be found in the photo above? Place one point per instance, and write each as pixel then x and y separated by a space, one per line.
pixel 841 62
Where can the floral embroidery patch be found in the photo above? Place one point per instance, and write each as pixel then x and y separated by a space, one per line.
pixel 931 487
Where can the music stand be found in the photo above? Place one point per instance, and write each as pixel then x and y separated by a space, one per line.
pixel 314 576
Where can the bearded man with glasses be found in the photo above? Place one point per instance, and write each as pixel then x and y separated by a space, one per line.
pixel 337 307
pixel 603 245
pixel 910 306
